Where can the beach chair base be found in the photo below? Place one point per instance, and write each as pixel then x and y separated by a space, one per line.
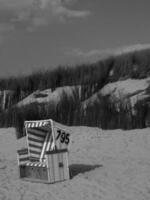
pixel 56 170
pixel 30 172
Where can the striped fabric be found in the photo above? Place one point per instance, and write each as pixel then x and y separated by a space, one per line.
pixel 37 138
pixel 23 156
pixel 36 164
pixel 31 124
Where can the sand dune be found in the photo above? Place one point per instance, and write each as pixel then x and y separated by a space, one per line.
pixel 129 89
pixel 54 97
pixel 107 165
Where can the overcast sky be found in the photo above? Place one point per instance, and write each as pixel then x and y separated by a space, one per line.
pixel 45 33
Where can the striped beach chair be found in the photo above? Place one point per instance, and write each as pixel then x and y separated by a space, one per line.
pixel 47 147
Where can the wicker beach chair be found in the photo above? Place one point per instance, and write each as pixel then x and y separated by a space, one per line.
pixel 46 157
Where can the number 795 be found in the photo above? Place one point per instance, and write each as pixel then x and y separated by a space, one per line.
pixel 64 137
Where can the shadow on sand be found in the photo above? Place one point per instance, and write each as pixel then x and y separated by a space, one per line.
pixel 76 169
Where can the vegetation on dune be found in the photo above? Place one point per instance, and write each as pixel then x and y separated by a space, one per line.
pixel 133 65
pixel 91 77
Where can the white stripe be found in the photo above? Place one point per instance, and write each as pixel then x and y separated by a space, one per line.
pixel 42 165
pixel 38 131
pixel 41 140
pixel 35 149
pixel 27 163
pixel 45 123
pixel 52 146
pixel 23 156
pixel 48 148
pixel 34 155
pixel 44 147
pixel 36 143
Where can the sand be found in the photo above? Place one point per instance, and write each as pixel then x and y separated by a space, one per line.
pixel 107 165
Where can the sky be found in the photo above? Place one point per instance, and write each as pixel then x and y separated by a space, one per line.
pixel 43 34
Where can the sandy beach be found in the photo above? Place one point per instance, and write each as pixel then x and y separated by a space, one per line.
pixel 107 165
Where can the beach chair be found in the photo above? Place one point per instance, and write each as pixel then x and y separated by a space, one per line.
pixel 46 157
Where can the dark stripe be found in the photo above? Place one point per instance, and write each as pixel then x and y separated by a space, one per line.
pixel 22 151
pixel 35 152
pixel 35 146
pixel 57 151
pixel 33 159
pixel 36 134
pixel 35 140
pixel 23 159
pixel 41 129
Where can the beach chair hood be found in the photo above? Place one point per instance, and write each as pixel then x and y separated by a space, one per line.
pixel 45 135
